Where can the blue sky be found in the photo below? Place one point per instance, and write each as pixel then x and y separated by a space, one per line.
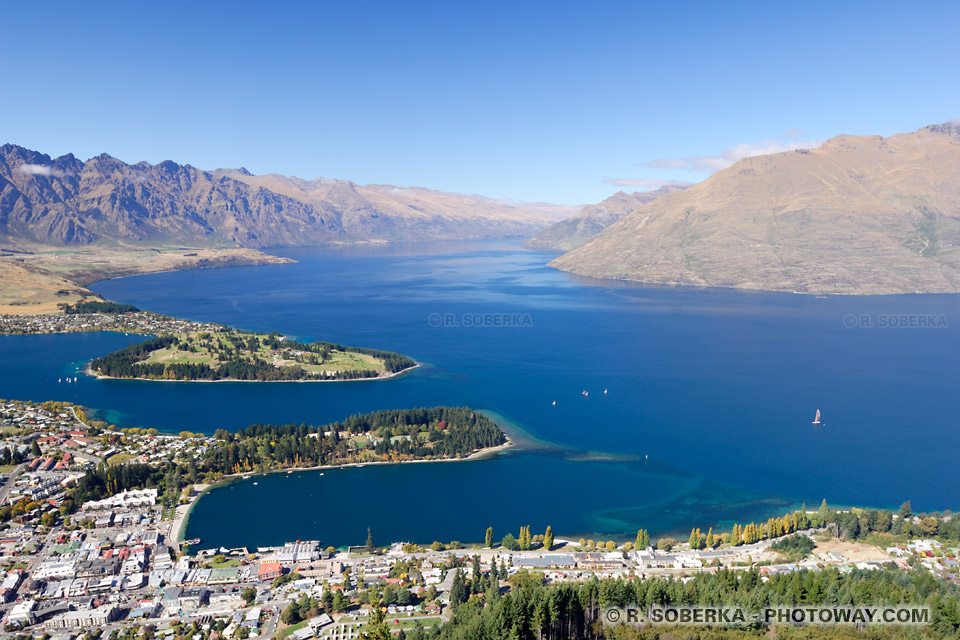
pixel 558 102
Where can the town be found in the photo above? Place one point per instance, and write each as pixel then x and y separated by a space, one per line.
pixel 139 322
pixel 119 563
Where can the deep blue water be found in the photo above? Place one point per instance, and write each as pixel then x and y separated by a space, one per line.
pixel 717 387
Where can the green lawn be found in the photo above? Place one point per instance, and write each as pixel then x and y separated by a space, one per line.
pixel 226 564
pixel 282 357
pixel 119 458
pixel 286 631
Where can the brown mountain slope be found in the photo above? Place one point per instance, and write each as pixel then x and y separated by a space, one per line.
pixel 65 201
pixel 858 215
pixel 594 218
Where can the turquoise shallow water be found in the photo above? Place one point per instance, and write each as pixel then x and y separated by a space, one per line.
pixel 717 387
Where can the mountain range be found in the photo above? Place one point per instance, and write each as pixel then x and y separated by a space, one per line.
pixel 857 215
pixel 594 218
pixel 66 201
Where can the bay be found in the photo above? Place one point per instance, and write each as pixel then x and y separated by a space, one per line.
pixel 715 388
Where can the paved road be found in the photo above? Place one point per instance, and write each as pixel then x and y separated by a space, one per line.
pixel 8 485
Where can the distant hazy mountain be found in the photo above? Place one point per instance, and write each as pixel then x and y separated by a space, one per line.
pixel 594 218
pixel 67 201
pixel 859 214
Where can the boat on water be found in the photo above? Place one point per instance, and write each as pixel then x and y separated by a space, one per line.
pixel 554 403
pixel 255 483
pixel 604 392
pixel 584 392
pixel 816 420
pixel 193 541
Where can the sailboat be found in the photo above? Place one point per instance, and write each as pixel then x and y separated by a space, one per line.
pixel 554 403
pixel 817 419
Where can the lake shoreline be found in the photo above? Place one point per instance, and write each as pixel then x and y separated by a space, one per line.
pixel 178 533
pixel 89 372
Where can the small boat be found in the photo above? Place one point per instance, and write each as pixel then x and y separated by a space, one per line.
pixel 585 394
pixel 255 483
pixel 359 466
pixel 193 541
pixel 554 403
pixel 816 420
pixel 604 392
pixel 321 473
pixel 59 380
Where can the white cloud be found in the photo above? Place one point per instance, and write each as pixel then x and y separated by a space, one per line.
pixel 35 169
pixel 641 182
pixel 787 142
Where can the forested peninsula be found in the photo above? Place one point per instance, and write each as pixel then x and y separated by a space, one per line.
pixel 229 354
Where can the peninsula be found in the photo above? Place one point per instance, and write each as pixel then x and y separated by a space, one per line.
pixel 231 355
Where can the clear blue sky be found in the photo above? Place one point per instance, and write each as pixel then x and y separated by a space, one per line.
pixel 522 100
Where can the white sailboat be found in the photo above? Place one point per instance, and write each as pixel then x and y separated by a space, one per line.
pixel 817 419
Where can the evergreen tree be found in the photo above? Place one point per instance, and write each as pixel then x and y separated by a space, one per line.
pixel 488 540
pixel 823 511
pixel 369 540
pixel 458 590
pixel 476 577
pixel 377 628
pixel 906 512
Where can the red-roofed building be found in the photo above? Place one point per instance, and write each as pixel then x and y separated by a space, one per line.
pixel 269 571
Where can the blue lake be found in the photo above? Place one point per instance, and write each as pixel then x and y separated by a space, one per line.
pixel 710 394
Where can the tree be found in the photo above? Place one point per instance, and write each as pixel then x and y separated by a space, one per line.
pixel 906 512
pixel 643 539
pixel 249 595
pixel 290 615
pixel 458 590
pixel 488 539
pixel 509 542
pixel 548 539
pixel 377 628
pixel 884 520
pixel 35 450
pixel 666 544
pixel 823 511
pixel 850 526
pixel 929 526
pixel 369 541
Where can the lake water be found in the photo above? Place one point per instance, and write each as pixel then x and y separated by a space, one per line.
pixel 706 419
